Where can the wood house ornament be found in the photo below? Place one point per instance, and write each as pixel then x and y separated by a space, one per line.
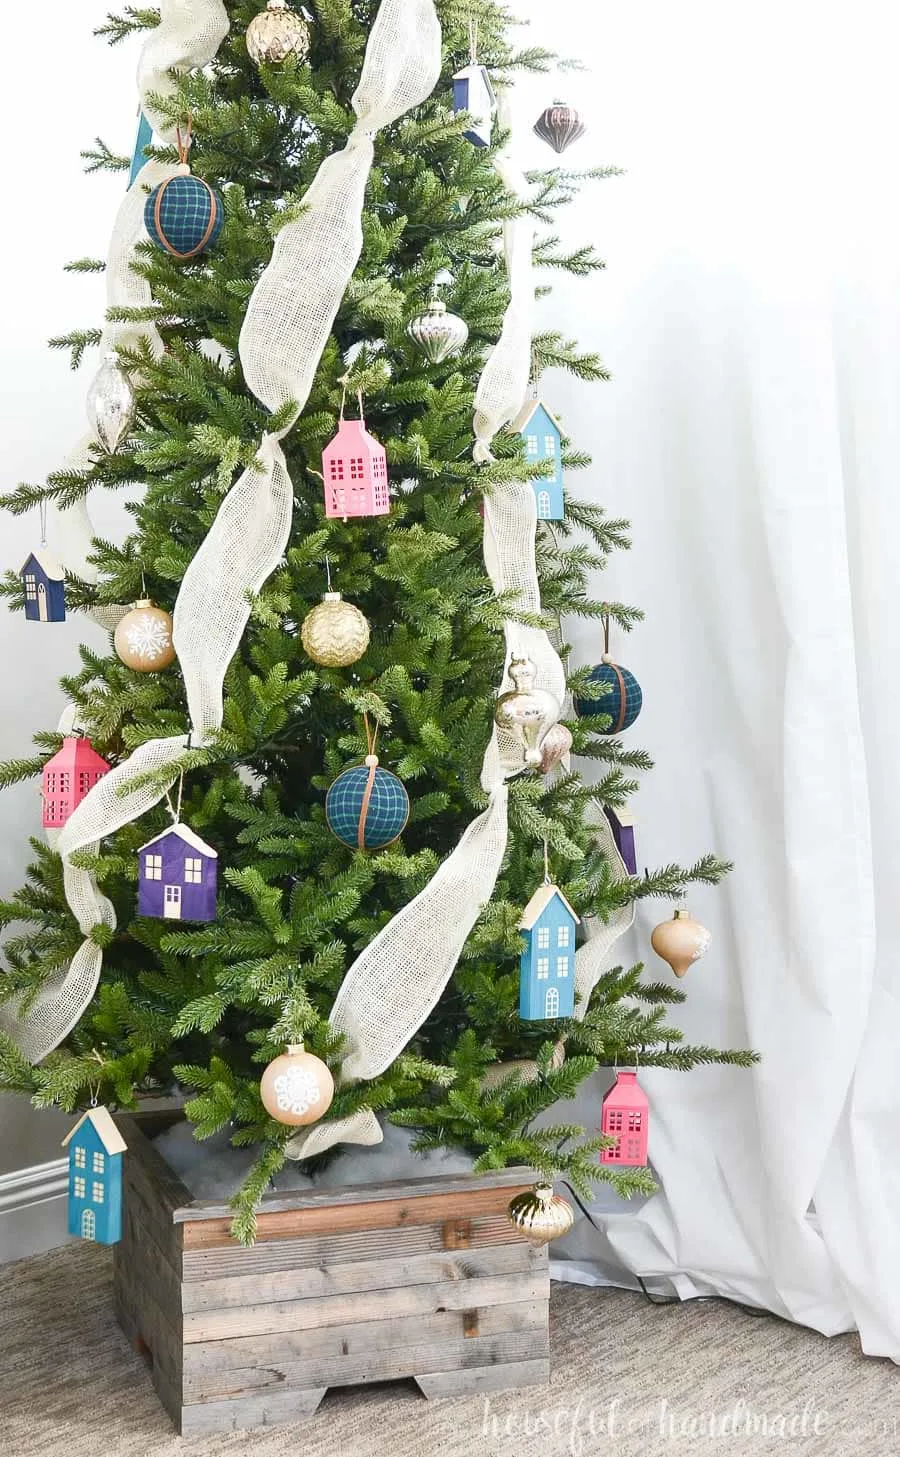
pixel 95 1177
pixel 354 466
pixel 473 92
pixel 177 876
pixel 626 1118
pixel 543 442
pixel 547 968
pixel 45 594
pixel 68 777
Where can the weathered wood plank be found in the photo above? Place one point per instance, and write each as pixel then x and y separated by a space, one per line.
pixel 505 1377
pixel 219 1325
pixel 339 1249
pixel 139 1252
pixel 253 1411
pixel 360 1275
pixel 384 1364
pixel 511 1180
pixel 357 1215
pixel 351 1339
pixel 149 1328
pixel 171 1194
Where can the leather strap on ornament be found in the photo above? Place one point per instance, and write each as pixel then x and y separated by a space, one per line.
pixel 372 766
pixel 623 706
pixel 185 140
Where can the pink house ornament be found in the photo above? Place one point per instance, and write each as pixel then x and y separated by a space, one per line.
pixel 68 777
pixel 626 1118
pixel 177 877
pixel 354 466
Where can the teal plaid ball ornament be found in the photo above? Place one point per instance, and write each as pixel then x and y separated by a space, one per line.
pixel 367 807
pixel 184 215
pixel 622 703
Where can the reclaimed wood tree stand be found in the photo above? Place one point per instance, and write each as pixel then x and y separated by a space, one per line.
pixel 420 1278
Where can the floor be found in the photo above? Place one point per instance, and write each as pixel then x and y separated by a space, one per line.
pixel 628 1378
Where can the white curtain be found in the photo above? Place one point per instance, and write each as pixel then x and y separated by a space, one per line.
pixel 751 316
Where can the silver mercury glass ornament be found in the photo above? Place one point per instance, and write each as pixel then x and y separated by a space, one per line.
pixel 437 332
pixel 526 711
pixel 277 33
pixel 111 404
pixel 559 126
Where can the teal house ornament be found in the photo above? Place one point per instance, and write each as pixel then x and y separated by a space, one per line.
pixel 547 967
pixel 543 443
pixel 95 1178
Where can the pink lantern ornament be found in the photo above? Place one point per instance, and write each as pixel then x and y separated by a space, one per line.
pixel 354 466
pixel 626 1118
pixel 68 778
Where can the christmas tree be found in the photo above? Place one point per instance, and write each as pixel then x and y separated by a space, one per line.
pixel 341 204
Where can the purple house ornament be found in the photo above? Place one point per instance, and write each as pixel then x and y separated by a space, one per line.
pixel 621 823
pixel 177 877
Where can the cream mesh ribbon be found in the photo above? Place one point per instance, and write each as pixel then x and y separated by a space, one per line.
pixel 287 325
pixel 397 980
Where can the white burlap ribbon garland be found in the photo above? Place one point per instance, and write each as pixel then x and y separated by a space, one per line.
pixel 288 322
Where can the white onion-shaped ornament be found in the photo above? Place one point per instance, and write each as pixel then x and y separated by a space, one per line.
pixel 681 941
pixel 437 332
pixel 526 711
pixel 143 638
pixel 111 404
pixel 335 634
pixel 297 1088
pixel 277 33
pixel 540 1214
pixel 557 744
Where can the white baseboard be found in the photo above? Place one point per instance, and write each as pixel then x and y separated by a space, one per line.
pixel 33 1209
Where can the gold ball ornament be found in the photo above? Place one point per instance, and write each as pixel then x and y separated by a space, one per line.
pixel 540 1214
pixel 277 33
pixel 297 1087
pixel 143 638
pixel 681 941
pixel 335 634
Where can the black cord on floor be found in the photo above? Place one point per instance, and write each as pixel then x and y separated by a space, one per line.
pixel 652 1299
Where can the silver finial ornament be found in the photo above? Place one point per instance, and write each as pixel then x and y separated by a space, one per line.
pixel 437 332
pixel 526 711
pixel 560 126
pixel 111 404
pixel 277 33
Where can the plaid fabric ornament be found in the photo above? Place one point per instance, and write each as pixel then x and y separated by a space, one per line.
pixel 184 215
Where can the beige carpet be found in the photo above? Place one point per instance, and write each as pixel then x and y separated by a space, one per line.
pixel 628 1379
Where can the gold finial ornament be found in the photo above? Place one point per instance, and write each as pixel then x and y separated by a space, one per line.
pixel 540 1214
pixel 276 33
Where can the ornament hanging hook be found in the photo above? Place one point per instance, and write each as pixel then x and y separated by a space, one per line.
pixel 547 880
pixel 328 571
pixel 606 633
pixel 473 42
pixel 185 139
pixel 42 508
pixel 359 396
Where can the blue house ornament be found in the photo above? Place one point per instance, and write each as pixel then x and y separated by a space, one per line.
pixel 474 93
pixel 543 442
pixel 44 581
pixel 547 968
pixel 95 1177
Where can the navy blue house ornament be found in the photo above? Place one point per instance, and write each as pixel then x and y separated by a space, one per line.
pixel 44 582
pixel 95 1148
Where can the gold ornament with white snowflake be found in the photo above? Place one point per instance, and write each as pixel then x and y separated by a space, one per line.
pixel 144 638
pixel 297 1087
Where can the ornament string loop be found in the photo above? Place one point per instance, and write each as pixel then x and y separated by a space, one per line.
pixel 42 508
pixel 371 736
pixel 175 811
pixel 547 880
pixel 185 140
